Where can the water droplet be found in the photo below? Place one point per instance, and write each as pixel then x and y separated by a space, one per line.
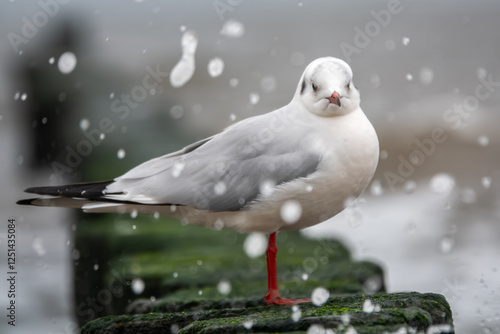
pixel 483 141
pixel 175 275
pixel 137 286
pixel 200 292
pixel 468 196
pixel 133 214
pixel 233 82
pixel 248 324
pixel 368 307
pixel 268 84
pixel 232 117
pixel 111 95
pixel 176 112
pixel 316 329
pixel 446 244
pixel 486 182
pixel 16 96
pixel 409 186
pixel 52 60
pixel 345 318
pixel 291 211
pixel 372 284
pixel 133 226
pixel 266 187
pixel 319 296
pixel 96 267
pixel 481 73
pixel 255 245
pixel 75 254
pixel 384 154
pixel 44 120
pixel 354 217
pixel 296 314
pixel 24 96
pixel 38 247
pixel 374 81
pixel 182 28
pixel 376 188
pixel 254 98
pixel 305 276
pixel 199 262
pixel 67 62
pixel 215 67
pixel 177 169
pixel 121 153
pixel 102 136
pixel 406 41
pixel 426 75
pixel 442 183
pixel 184 69
pixel 20 160
pixel 224 287
pixel 409 76
pixel 156 215
pixel 233 29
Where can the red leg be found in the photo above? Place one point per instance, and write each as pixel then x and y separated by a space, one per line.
pixel 273 296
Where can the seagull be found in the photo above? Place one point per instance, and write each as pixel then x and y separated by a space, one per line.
pixel 288 169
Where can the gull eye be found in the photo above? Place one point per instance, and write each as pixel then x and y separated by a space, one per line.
pixel 314 87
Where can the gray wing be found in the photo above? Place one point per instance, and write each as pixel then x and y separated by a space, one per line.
pixel 221 173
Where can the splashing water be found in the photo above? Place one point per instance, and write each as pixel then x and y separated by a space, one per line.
pixel 291 211
pixel 255 245
pixel 137 286
pixel 316 329
pixel 320 296
pixel 67 62
pixel 248 324
pixel 296 313
pixel 368 306
pixel 215 67
pixel 184 69
pixel 233 29
pixel 442 183
pixel 38 247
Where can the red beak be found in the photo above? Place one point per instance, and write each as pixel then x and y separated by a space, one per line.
pixel 335 98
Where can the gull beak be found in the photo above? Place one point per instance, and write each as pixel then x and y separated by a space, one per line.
pixel 335 98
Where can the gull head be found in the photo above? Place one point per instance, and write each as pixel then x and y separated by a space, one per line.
pixel 326 88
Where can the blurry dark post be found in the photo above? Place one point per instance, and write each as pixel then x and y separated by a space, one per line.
pixel 52 97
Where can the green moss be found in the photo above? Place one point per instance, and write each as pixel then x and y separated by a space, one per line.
pixel 224 317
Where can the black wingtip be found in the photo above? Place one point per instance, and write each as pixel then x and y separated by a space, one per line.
pixel 27 201
pixel 90 190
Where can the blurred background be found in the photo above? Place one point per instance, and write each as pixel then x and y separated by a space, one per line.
pixel 86 94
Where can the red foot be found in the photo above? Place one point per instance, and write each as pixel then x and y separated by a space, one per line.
pixel 273 296
pixel 285 301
